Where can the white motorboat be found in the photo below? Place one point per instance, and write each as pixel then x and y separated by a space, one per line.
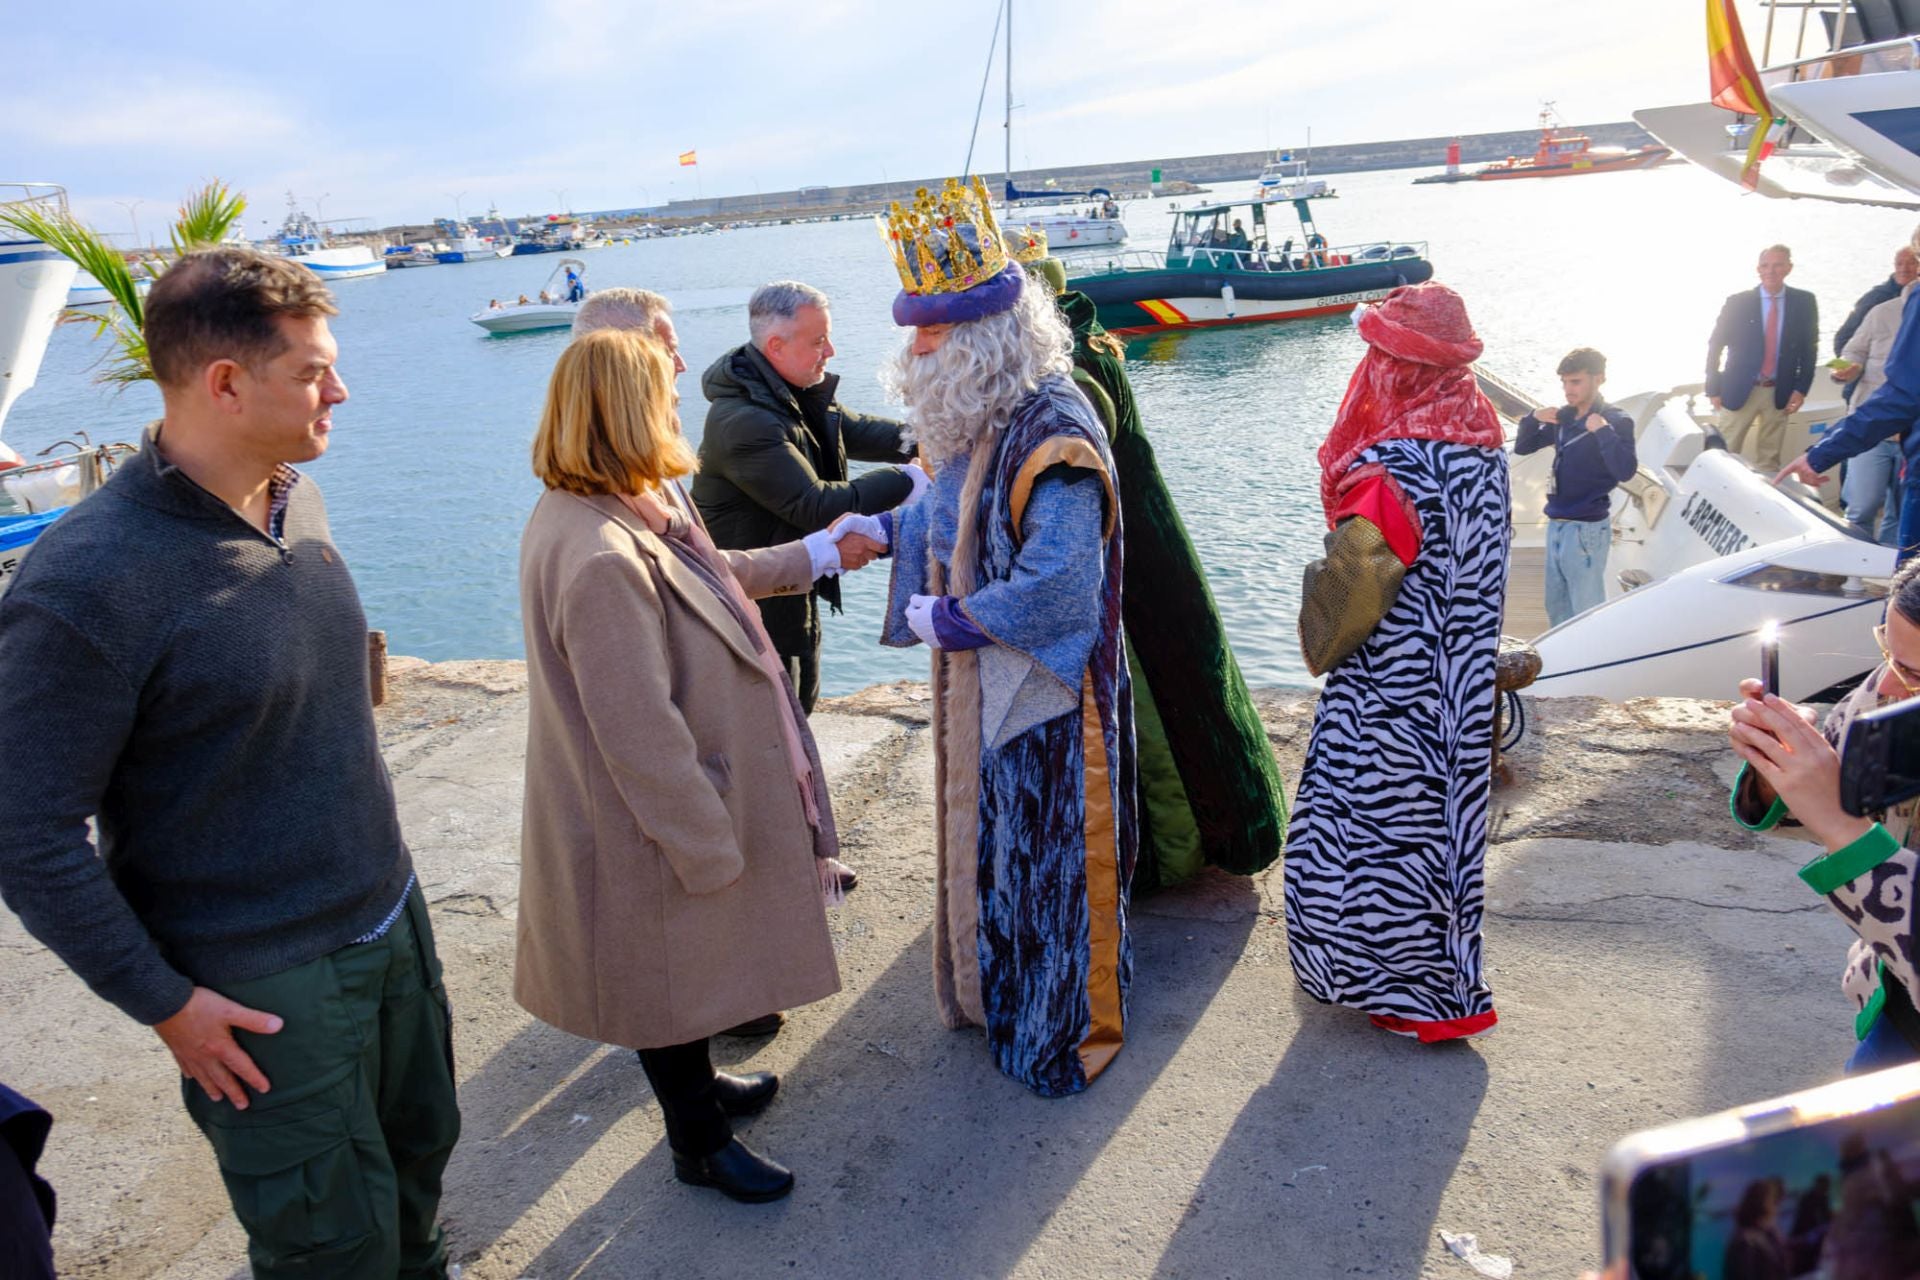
pixel 34 280
pixel 89 292
pixel 1706 551
pixel 558 302
pixel 468 246
pixel 1285 178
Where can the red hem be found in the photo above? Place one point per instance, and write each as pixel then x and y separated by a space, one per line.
pixel 1435 1032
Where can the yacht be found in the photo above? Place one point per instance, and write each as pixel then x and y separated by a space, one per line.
pixel 34 281
pixel 305 241
pixel 552 309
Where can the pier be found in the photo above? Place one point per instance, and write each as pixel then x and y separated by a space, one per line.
pixel 1649 959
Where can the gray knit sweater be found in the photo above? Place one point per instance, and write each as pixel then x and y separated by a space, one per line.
pixel 202 689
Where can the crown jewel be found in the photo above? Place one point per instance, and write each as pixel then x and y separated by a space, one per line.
pixel 946 243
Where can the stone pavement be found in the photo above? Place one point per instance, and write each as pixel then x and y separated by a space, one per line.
pixel 1650 962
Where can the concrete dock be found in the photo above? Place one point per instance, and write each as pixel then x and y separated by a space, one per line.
pixel 1650 961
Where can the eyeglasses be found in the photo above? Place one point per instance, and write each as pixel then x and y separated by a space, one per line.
pixel 1909 678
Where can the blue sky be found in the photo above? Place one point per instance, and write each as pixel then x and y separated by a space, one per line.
pixel 392 111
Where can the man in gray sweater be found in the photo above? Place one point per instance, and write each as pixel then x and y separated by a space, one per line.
pixel 184 659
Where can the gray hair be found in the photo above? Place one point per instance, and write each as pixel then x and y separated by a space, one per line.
pixel 968 388
pixel 620 308
pixel 774 304
pixel 1903 593
pixel 1780 249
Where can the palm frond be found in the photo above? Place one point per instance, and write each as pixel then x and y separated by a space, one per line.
pixel 206 216
pixel 85 248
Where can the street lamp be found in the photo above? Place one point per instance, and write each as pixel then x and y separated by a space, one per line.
pixel 560 196
pixel 320 210
pixel 130 206
pixel 459 214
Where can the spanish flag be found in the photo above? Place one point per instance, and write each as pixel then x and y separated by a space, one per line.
pixel 687 158
pixel 1735 84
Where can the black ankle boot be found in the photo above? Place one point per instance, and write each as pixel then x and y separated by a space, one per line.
pixel 745 1095
pixel 735 1170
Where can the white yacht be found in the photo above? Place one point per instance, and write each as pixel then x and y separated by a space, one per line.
pixel 557 304
pixel 468 246
pixel 1285 178
pixel 34 281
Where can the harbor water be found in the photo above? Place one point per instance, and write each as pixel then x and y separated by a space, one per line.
pixel 427 480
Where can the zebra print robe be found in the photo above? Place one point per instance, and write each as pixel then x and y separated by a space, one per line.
pixel 1387 848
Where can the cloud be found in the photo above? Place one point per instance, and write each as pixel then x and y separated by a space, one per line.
pixel 176 114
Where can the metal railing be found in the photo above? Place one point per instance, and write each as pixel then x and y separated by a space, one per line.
pixel 1264 260
pixel 47 197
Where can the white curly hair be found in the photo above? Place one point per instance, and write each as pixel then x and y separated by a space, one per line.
pixel 966 390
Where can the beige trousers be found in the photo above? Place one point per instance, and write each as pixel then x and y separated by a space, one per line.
pixel 1757 430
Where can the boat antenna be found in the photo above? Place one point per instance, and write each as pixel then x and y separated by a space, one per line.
pixel 986 75
pixel 1009 121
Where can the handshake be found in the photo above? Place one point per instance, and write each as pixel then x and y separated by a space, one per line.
pixel 855 541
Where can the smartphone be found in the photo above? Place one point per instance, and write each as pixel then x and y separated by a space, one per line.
pixel 1824 1183
pixel 1770 657
pixel 1880 759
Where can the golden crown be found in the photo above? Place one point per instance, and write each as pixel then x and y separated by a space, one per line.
pixel 1027 245
pixel 946 243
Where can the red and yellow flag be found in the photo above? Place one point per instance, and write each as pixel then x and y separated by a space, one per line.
pixel 687 158
pixel 1735 84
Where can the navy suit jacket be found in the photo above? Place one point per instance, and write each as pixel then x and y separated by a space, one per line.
pixel 1737 347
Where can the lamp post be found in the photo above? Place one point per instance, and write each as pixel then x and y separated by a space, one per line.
pixel 459 213
pixel 130 206
pixel 561 196
pixel 320 210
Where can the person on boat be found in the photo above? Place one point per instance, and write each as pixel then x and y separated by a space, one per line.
pixel 523 301
pixel 575 290
pixel 1210 791
pixel 1009 571
pixel 493 304
pixel 774 452
pixel 1906 268
pixel 1870 872
pixel 1110 209
pixel 1592 445
pixel 1386 850
pixel 675 849
pixel 1871 484
pixel 1892 410
pixel 1761 360
pixel 1237 240
pixel 197 639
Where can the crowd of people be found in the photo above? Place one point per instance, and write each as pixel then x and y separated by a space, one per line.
pixel 252 897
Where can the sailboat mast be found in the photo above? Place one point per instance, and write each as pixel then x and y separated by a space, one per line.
pixel 1009 121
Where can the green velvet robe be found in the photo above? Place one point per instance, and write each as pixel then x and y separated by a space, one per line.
pixel 1210 790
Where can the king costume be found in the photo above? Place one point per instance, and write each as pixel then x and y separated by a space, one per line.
pixel 1019 538
pixel 1386 855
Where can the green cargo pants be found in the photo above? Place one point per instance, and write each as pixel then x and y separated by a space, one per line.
pixel 335 1171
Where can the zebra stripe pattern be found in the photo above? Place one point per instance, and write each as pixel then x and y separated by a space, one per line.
pixel 1386 853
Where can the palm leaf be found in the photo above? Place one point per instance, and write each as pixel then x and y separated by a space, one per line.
pixel 206 216
pixel 84 247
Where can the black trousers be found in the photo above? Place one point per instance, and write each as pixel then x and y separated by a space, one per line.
pixel 803 668
pixel 682 1078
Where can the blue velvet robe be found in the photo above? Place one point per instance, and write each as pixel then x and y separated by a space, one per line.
pixel 1033 743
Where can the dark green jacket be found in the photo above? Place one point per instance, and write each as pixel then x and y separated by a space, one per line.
pixel 1210 789
pixel 773 467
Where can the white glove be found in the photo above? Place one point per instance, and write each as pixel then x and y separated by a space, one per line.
pixel 920 479
pixel 854 522
pixel 821 549
pixel 920 619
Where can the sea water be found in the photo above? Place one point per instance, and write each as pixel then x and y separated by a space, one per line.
pixel 427 479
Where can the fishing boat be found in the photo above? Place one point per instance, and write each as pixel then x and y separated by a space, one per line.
pixel 305 241
pixel 401 256
pixel 558 302
pixel 1562 153
pixel 468 246
pixel 1232 264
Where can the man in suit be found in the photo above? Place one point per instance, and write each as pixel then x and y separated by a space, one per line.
pixel 1760 360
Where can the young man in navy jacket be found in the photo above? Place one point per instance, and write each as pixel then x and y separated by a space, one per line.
pixel 1593 451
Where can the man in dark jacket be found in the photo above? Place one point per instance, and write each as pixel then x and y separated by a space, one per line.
pixel 1760 360
pixel 773 457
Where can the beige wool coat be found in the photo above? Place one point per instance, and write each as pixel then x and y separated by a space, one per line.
pixel 667 880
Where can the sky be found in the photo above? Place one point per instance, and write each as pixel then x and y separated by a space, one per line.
pixel 403 113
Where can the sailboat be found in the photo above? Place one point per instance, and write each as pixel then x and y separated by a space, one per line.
pixel 1097 223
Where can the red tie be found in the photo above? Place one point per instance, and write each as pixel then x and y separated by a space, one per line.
pixel 1770 361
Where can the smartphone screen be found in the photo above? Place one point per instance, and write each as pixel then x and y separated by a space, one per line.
pixel 1832 1197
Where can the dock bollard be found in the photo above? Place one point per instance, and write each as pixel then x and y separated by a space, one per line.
pixel 377 665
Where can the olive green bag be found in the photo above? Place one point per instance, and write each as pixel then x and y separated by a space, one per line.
pixel 1346 594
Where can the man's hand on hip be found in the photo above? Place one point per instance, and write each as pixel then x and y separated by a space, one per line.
pixel 200 1037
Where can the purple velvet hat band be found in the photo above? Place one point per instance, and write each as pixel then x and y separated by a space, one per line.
pixel 996 295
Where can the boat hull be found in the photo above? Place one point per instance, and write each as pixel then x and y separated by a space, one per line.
pixel 1644 158
pixel 1076 233
pixel 527 319
pixel 1152 301
pixel 34 280
pixel 342 263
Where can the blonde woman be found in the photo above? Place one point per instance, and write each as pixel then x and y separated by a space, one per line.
pixel 677 832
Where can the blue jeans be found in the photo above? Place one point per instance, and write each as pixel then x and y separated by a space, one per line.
pixel 1884 1047
pixel 1576 566
pixel 1873 485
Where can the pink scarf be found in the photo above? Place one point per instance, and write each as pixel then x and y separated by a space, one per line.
pixel 659 518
